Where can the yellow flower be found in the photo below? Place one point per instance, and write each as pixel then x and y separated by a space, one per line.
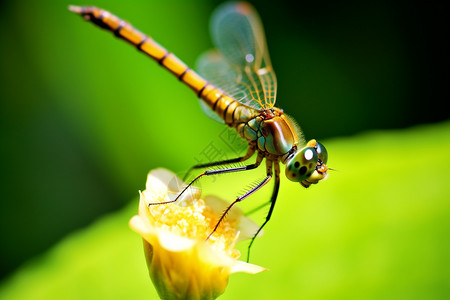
pixel 181 262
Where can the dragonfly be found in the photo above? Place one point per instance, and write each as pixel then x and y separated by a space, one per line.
pixel 236 85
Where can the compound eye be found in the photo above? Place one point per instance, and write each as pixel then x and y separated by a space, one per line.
pixel 302 165
pixel 321 152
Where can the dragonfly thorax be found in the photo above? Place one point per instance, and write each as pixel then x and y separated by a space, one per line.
pixel 272 132
pixel 277 136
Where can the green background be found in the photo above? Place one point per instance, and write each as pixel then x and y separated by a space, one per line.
pixel 84 117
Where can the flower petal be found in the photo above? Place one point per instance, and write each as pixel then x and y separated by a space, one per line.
pixel 244 267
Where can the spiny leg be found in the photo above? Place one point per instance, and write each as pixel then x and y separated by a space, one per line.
pixel 250 152
pixel 259 159
pixel 273 198
pixel 269 169
pixel 239 199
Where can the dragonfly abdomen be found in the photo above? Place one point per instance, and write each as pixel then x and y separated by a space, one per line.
pixel 227 108
pixel 224 106
pixel 145 44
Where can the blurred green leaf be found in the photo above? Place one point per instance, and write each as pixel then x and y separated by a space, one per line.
pixel 376 229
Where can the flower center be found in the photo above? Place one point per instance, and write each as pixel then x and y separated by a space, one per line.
pixel 196 221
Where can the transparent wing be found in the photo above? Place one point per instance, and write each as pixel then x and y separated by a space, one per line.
pixel 211 66
pixel 219 72
pixel 241 67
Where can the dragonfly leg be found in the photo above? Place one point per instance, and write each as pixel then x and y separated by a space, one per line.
pixel 250 152
pixel 215 172
pixel 239 199
pixel 273 198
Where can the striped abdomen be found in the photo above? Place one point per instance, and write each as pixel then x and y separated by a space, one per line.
pixel 227 108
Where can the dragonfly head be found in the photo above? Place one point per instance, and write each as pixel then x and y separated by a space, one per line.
pixel 308 165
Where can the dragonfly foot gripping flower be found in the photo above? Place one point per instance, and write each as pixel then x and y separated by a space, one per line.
pixel 181 262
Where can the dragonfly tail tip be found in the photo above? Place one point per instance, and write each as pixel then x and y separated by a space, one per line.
pixel 75 9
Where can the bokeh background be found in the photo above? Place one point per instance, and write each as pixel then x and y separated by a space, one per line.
pixel 85 116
